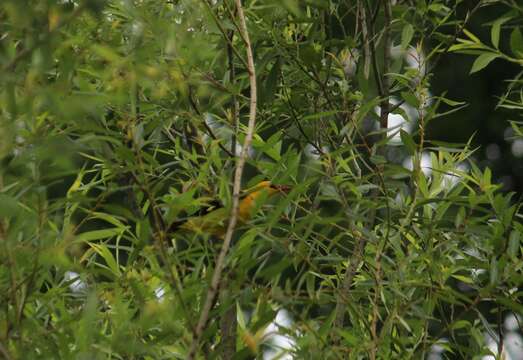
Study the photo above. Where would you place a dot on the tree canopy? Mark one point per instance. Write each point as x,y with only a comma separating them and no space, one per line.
123,120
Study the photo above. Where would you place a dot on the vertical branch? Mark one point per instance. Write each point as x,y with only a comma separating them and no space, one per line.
11,296
386,64
228,326
5,352
501,349
384,115
362,12
235,105
228,321
375,306
220,262
352,266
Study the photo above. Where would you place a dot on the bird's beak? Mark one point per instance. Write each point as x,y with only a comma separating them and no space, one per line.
283,188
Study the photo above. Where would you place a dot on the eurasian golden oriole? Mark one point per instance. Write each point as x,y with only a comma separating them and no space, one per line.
214,222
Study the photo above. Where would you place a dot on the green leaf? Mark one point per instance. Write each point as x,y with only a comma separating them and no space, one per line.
270,85
327,325
451,102
106,254
438,7
471,36
482,61
321,115
105,52
410,98
496,29
113,220
9,206
242,323
465,279
494,272
350,339
460,324
378,159
516,42
98,234
292,7
408,141
514,243
406,35
273,146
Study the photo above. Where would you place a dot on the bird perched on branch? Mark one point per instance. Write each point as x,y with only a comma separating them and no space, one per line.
214,222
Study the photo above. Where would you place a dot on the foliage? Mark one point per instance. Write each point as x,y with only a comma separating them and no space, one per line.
120,118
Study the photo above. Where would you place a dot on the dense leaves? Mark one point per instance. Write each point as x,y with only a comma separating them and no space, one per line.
120,119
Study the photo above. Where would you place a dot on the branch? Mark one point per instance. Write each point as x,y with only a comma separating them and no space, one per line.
352,266
224,33
205,125
5,352
366,43
235,105
228,327
384,114
220,263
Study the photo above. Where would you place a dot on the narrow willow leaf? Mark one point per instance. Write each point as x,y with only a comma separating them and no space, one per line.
516,42
496,30
482,61
408,141
406,35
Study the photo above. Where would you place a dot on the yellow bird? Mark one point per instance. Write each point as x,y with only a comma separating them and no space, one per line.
214,222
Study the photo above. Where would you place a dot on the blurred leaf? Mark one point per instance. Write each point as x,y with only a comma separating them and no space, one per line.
410,98
514,244
406,35
407,140
516,42
271,82
494,272
9,206
320,115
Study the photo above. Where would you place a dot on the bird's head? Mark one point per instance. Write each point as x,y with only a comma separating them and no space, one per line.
270,188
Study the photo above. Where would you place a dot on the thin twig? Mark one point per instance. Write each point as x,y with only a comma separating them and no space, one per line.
224,33
384,115
294,116
220,262
210,132
352,266
235,105
5,352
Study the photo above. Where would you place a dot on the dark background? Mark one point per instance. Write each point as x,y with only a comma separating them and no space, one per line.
481,120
